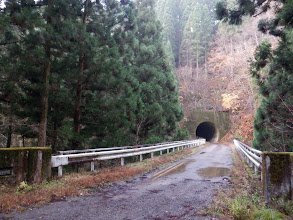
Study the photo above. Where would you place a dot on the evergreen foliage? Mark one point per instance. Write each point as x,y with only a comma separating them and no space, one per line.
188,27
81,73
158,104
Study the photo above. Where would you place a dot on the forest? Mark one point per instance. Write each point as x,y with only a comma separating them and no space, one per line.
188,30
81,74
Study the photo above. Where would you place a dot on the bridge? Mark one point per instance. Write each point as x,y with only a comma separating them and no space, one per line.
179,190
182,188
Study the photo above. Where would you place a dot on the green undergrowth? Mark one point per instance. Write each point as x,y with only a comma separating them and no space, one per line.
244,198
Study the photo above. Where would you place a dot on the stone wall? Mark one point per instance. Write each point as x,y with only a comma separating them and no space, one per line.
277,175
32,165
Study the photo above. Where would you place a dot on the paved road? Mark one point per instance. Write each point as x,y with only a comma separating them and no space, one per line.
177,191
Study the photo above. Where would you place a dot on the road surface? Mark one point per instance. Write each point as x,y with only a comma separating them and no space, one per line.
180,190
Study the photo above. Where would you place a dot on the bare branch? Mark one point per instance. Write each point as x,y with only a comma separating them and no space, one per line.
286,105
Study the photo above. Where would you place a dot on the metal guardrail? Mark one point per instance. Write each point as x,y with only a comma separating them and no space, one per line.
253,157
111,148
91,155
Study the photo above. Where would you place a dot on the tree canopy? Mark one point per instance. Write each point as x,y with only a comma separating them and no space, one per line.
81,73
188,27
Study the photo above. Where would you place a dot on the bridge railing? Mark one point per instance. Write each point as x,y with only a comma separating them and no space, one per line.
276,167
111,148
252,156
92,155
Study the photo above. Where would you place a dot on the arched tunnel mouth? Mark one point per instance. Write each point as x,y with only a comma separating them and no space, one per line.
208,131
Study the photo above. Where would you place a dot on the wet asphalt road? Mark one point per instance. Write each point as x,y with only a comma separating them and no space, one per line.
180,190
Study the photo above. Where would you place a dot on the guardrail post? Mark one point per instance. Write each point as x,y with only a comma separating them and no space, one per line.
60,171
255,169
92,166
161,152
173,149
167,150
140,157
122,161
152,155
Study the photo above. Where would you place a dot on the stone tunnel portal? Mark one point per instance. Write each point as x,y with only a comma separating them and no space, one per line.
208,131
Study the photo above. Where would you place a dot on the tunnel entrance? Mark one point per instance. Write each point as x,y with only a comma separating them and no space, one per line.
208,131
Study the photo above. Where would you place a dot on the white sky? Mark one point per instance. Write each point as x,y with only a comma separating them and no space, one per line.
2,3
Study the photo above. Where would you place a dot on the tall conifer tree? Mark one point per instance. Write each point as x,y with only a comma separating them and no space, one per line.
158,106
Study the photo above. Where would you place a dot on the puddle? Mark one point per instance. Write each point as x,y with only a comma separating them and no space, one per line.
180,169
212,172
175,169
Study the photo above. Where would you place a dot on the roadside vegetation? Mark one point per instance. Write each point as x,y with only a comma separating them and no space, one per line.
78,184
244,198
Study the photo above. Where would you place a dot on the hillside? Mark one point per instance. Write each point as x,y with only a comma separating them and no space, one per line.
227,85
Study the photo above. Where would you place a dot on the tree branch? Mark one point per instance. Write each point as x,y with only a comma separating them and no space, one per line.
7,43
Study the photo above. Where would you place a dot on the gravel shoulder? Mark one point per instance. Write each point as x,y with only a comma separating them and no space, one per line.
180,190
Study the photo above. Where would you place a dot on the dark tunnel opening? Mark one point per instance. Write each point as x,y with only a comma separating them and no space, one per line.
208,131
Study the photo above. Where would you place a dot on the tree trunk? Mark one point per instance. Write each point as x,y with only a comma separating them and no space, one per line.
205,62
23,141
44,102
232,57
9,136
197,62
10,129
78,97
256,39
45,89
55,136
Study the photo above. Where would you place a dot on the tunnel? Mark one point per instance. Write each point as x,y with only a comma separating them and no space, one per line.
208,131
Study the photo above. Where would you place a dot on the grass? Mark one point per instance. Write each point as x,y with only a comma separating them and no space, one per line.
244,199
74,184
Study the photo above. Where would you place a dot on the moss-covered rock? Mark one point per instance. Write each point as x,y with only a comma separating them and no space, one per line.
31,164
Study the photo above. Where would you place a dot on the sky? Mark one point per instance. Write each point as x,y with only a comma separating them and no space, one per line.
2,3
